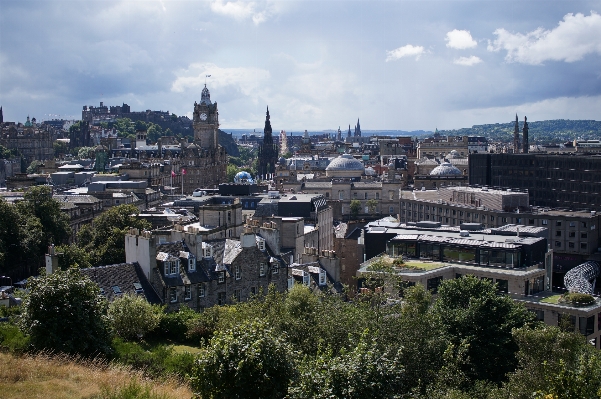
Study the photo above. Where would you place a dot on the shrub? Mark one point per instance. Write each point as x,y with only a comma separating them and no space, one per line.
578,298
174,326
66,313
12,338
131,317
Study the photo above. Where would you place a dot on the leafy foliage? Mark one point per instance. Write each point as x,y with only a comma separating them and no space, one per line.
33,166
104,239
355,208
247,361
65,312
473,316
132,317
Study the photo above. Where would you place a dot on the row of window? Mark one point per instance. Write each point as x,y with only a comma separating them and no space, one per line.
221,296
583,245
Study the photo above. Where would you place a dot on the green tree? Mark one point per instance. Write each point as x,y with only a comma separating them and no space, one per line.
247,361
60,148
154,132
555,363
65,312
125,127
104,238
10,237
33,166
355,208
38,202
372,205
85,153
173,118
231,172
5,153
132,317
366,371
473,315
73,256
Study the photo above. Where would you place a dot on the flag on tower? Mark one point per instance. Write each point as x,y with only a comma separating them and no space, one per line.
172,174
183,171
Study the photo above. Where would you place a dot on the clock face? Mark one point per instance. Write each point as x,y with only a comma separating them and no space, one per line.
203,117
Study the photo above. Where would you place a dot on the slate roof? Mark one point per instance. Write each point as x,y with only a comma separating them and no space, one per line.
124,276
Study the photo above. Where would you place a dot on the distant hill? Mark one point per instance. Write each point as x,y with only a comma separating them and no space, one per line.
227,141
552,131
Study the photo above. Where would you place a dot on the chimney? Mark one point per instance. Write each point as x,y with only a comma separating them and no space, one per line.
248,240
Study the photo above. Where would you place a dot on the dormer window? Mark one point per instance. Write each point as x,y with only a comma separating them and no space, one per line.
138,288
262,269
221,277
261,244
191,264
175,267
167,268
306,279
275,268
322,277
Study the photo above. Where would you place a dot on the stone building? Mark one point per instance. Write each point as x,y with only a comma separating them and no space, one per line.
188,271
33,143
204,161
267,157
440,147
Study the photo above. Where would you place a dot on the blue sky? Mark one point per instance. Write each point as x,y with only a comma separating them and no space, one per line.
318,64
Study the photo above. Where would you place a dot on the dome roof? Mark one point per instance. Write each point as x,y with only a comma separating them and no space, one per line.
446,169
243,177
282,161
205,96
345,162
454,154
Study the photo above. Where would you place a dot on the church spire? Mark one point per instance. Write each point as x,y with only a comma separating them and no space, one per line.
267,137
516,136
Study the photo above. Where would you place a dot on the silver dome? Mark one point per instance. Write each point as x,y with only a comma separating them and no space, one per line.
446,169
345,162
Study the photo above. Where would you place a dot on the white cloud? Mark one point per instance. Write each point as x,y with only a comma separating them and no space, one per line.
460,39
405,51
241,10
573,38
246,80
467,61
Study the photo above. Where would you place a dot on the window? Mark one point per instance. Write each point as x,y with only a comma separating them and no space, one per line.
558,223
188,293
377,195
492,218
340,194
558,243
544,222
391,210
468,214
460,213
172,294
355,195
558,233
191,264
237,272
571,245
262,269
476,216
365,195
503,286
433,283
167,268
238,295
175,267
275,268
116,289
253,291
201,290
583,224
530,221
583,235
583,245
221,277
327,194
572,224
221,298
572,234
390,195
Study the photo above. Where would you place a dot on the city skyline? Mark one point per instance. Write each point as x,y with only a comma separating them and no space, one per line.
317,65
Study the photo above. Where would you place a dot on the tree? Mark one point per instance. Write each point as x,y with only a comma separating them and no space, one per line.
10,236
473,315
372,205
132,317
73,256
104,238
85,153
247,361
38,202
173,118
33,167
553,363
355,208
60,148
66,313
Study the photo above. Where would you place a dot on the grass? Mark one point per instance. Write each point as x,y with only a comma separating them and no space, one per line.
554,299
54,377
423,265
185,348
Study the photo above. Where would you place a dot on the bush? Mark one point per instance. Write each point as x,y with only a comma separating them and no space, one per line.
131,317
577,298
248,361
12,338
66,313
174,326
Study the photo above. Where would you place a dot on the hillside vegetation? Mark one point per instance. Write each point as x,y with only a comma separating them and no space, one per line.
63,377
552,131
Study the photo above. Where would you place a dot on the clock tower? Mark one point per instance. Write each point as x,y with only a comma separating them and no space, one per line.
206,121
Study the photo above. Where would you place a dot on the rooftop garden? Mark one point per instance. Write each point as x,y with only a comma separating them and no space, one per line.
570,299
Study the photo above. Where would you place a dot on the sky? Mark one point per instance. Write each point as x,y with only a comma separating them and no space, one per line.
405,65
